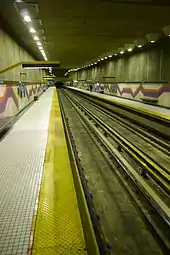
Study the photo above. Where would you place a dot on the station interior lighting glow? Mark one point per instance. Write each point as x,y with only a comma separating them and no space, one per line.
27,18
32,30
36,38
130,49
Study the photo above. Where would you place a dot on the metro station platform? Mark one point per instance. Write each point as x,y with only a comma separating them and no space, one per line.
39,211
152,110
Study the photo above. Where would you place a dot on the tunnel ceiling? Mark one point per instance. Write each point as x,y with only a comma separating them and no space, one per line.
82,30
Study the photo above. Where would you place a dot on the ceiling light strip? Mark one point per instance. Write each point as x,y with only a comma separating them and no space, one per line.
26,17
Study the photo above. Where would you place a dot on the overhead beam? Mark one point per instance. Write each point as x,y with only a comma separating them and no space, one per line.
140,2
34,64
41,64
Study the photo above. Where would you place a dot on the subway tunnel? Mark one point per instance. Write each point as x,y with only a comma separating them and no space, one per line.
59,84
85,127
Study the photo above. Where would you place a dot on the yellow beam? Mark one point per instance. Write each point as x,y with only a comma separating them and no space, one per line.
10,67
40,62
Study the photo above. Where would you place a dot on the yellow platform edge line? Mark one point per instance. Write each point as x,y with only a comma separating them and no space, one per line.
58,228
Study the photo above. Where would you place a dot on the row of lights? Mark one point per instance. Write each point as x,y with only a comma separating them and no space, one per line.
50,70
35,37
104,58
152,38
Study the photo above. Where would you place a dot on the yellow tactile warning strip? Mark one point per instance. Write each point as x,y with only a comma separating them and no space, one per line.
58,228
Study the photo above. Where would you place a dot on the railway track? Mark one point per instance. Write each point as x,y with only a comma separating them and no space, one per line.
157,141
153,159
137,117
116,159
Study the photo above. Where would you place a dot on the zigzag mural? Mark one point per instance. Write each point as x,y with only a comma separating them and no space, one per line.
9,92
145,91
23,91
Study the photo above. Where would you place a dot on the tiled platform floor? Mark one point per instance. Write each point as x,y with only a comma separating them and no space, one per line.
21,163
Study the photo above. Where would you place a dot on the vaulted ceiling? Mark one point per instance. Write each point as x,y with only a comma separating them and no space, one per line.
75,32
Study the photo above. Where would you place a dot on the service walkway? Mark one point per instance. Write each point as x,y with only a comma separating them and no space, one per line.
38,196
157,111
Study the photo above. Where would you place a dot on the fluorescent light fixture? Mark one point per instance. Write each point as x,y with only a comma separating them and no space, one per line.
98,60
95,63
121,52
130,49
32,30
38,43
36,67
36,38
40,47
152,41
27,18
139,46
110,56
102,58
169,35
45,58
115,54
105,57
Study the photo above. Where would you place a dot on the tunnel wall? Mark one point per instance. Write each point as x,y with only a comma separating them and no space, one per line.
11,53
144,74
14,97
150,66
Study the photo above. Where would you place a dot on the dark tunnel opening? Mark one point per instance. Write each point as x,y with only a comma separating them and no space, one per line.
59,84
